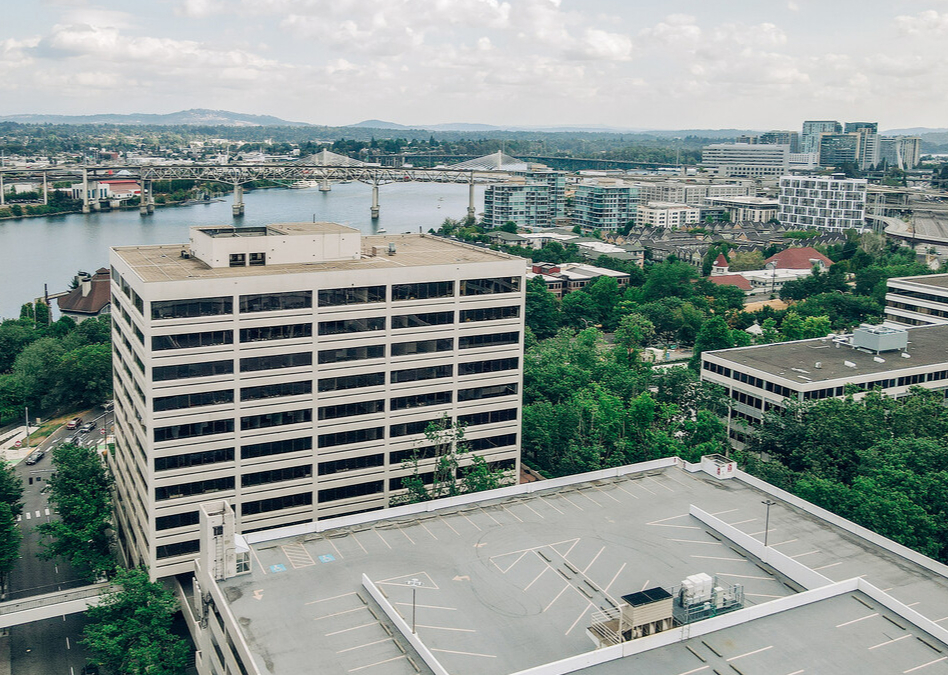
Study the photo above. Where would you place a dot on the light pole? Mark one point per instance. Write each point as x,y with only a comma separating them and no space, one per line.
768,503
414,583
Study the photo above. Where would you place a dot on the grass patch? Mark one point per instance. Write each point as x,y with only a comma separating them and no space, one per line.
49,426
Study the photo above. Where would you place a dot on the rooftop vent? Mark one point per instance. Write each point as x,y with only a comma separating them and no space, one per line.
880,338
849,364
391,248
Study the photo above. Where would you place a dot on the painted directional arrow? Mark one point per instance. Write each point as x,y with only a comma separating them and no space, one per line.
258,594
461,578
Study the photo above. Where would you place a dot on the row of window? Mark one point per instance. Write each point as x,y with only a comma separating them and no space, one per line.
335,297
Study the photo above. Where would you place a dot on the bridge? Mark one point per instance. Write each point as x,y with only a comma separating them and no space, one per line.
39,607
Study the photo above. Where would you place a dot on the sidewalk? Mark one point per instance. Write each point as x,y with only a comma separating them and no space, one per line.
8,449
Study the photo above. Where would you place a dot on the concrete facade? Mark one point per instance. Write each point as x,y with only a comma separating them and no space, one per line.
745,159
833,203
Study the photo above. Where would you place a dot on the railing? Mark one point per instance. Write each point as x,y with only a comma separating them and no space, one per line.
601,627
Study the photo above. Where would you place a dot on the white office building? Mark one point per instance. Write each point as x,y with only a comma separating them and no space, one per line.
290,369
833,203
669,216
746,159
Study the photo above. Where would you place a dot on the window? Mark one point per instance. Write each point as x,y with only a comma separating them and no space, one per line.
185,370
490,313
189,340
276,475
716,368
351,354
276,419
238,259
185,309
409,428
333,412
272,302
347,491
354,436
294,360
351,382
276,447
399,456
181,431
200,487
907,380
492,340
180,548
138,334
351,464
397,483
190,459
422,347
489,286
421,400
422,320
423,291
478,393
193,400
287,332
276,503
492,442
493,366
488,417
258,259
177,520
351,326
276,390
335,297
426,373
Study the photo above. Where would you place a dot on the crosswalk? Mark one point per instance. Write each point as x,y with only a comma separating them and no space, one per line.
35,514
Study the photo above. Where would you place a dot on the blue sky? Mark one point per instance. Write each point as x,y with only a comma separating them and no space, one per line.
691,64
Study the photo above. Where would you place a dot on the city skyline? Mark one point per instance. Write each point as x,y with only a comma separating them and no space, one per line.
529,62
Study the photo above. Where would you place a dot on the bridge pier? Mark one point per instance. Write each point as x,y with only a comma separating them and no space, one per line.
85,192
325,185
470,199
45,190
238,208
145,204
2,198
374,211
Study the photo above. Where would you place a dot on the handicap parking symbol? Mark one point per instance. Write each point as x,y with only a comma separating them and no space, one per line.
326,558
277,568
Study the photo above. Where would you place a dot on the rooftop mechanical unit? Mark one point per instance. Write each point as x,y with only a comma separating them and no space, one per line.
880,338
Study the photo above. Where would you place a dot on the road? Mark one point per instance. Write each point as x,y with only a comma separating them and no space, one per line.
46,647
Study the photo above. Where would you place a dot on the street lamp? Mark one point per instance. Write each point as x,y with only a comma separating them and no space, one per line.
414,583
768,503
772,266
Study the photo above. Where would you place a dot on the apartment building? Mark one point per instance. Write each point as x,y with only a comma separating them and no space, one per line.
745,159
833,203
901,152
604,205
917,301
693,193
746,209
762,377
291,369
812,129
526,204
668,216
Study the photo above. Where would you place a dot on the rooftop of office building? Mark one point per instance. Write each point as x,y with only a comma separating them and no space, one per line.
934,280
506,583
175,262
832,358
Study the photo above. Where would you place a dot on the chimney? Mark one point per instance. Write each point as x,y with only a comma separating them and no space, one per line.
85,283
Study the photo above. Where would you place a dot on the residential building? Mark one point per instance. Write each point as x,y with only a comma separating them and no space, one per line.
556,181
787,265
747,209
693,192
917,301
604,204
901,152
813,129
744,159
781,137
291,369
666,215
763,377
525,204
833,203
569,277
631,569
839,149
868,142
90,297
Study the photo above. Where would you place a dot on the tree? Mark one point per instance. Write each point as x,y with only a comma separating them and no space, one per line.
633,333
130,631
11,488
10,537
37,367
604,292
510,226
669,279
85,376
579,309
542,315
81,492
714,334
742,261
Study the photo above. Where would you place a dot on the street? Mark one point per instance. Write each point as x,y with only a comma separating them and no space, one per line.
47,647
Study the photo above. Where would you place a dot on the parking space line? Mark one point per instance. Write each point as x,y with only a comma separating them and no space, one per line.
450,609
823,567
627,492
564,497
570,549
697,541
754,534
606,494
487,513
513,514
645,488
471,522
712,557
349,649
259,564
645,585
556,598
429,532
410,540
583,493
451,651
862,618
781,543
800,555
346,630
606,589
595,558
912,604
888,642
742,576
796,672
382,538
578,619
449,525
742,522
379,663
656,522
659,484
756,651
924,665
347,611
335,597
719,513
941,619
548,504
352,534
532,509
537,578
459,630
696,670
510,567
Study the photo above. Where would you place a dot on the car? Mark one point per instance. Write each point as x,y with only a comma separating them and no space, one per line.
90,669
109,405
34,457
87,427
74,423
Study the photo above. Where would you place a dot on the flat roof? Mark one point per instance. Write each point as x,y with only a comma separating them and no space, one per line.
796,361
505,584
936,280
164,262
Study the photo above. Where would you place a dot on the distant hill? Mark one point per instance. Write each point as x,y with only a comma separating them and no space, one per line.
380,124
575,128
195,116
915,131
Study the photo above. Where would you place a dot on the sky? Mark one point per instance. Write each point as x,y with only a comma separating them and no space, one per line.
754,64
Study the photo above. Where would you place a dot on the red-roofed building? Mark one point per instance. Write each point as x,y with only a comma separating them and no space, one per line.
803,258
732,280
721,266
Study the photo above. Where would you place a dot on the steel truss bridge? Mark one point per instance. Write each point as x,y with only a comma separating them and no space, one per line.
238,175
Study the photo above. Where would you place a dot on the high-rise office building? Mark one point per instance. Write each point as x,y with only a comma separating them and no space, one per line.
901,152
839,149
781,137
810,136
743,159
291,369
869,149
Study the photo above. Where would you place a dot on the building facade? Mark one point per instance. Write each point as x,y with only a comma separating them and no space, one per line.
747,209
691,192
812,129
604,205
745,159
292,369
901,152
833,203
666,215
917,301
526,204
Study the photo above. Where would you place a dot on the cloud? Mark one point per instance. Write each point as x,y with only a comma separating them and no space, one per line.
929,22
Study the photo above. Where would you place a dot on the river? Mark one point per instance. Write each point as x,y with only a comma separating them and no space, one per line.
50,250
